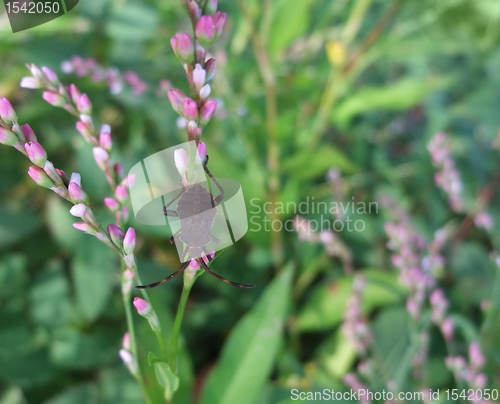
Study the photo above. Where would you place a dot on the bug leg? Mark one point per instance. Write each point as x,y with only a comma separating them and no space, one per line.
172,212
152,285
222,193
175,236
215,239
208,256
238,285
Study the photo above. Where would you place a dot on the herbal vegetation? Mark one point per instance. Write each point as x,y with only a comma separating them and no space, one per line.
364,134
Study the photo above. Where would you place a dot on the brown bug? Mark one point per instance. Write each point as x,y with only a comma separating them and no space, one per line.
196,211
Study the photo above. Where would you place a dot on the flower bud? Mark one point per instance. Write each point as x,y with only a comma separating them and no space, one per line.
35,71
85,227
176,98
219,20
30,82
7,137
193,131
105,140
63,176
127,279
181,161
207,111
121,193
78,210
126,336
77,194
205,31
189,109
7,113
194,10
118,169
36,153
54,99
111,204
129,241
116,235
210,69
29,135
201,153
85,131
145,309
198,75
101,157
83,104
129,361
40,177
210,7
183,47
204,92
129,181
76,178
74,93
50,75
125,213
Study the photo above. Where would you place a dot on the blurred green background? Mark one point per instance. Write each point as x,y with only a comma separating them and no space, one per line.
303,87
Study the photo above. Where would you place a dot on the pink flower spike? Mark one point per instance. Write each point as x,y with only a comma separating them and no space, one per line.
176,98
121,193
183,47
201,153
77,194
199,75
7,137
205,31
40,177
76,178
143,307
36,153
7,113
190,109
78,210
30,82
207,111
129,241
116,235
101,157
50,75
83,104
85,227
54,99
111,204
210,69
181,161
29,135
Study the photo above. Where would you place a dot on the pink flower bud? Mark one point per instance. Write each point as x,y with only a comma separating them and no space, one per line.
447,327
50,75
127,279
7,137
198,76
40,177
219,20
63,176
54,99
129,361
143,307
105,140
85,227
121,193
7,113
83,104
129,241
205,31
183,47
126,336
176,98
189,109
116,235
207,111
36,153
118,168
76,178
111,204
194,9
74,93
181,161
204,92
35,71
201,153
29,135
78,210
210,69
85,131
194,264
101,157
30,82
210,7
125,213
77,194
129,181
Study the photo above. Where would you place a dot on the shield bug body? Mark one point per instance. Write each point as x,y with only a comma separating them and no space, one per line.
196,210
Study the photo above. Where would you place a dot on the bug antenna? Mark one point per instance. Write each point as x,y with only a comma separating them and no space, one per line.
152,285
238,285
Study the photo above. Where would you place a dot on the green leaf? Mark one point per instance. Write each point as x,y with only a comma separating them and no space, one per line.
83,394
248,356
302,165
167,379
133,21
15,226
93,276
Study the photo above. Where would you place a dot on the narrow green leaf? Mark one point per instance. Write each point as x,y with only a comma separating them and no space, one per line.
166,378
248,355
